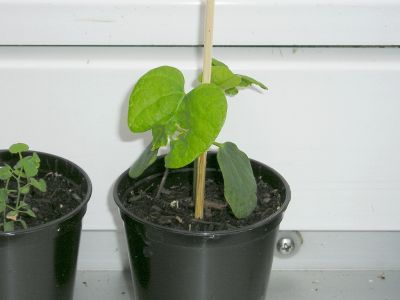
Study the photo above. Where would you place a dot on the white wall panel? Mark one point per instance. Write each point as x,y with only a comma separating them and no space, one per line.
178,22
329,122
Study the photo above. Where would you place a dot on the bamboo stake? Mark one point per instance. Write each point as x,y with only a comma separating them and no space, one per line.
200,164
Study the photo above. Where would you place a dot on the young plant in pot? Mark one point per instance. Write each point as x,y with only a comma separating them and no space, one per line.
187,240
43,199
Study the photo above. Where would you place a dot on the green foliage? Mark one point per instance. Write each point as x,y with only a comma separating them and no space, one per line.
3,199
146,159
5,172
18,148
248,81
222,76
17,184
190,123
201,116
155,98
240,188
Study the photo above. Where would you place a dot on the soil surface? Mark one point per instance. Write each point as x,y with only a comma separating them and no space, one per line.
172,205
62,196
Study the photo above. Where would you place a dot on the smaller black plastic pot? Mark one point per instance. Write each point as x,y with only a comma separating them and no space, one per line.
182,265
39,263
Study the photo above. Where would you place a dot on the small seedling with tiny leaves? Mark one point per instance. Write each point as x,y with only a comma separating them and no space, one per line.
16,183
190,123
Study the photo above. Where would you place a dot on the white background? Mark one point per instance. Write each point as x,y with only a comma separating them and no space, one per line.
329,122
178,22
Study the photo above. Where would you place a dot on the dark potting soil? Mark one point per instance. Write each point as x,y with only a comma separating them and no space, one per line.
62,196
174,207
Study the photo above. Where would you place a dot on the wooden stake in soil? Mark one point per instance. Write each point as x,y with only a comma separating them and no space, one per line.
200,164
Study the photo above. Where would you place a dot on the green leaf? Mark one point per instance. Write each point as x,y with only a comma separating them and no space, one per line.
39,184
19,172
161,134
30,213
8,226
201,115
232,91
25,189
3,199
247,81
240,186
18,148
23,204
155,98
216,62
29,165
23,223
36,159
146,159
5,172
223,77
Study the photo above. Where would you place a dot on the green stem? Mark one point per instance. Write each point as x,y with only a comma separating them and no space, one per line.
217,144
5,210
19,190
13,208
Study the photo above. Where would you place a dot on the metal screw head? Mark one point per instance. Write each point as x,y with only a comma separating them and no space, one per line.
285,246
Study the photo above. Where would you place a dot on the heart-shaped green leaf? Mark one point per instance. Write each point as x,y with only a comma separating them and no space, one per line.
155,98
18,148
146,159
240,188
201,117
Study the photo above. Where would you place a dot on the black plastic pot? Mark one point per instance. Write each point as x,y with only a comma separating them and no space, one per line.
39,263
182,265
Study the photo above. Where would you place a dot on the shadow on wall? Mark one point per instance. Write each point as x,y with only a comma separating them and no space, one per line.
125,135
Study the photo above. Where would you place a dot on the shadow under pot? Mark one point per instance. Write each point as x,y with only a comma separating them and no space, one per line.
172,262
39,262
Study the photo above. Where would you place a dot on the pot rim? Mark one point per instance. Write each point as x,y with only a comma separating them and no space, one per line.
247,228
72,213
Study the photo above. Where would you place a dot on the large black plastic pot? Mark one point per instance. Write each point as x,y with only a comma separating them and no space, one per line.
182,265
39,263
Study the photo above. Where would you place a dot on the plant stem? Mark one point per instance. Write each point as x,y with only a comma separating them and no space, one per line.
217,144
164,178
200,164
19,190
5,210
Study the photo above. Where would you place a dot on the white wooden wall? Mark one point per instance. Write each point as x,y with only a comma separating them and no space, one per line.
329,122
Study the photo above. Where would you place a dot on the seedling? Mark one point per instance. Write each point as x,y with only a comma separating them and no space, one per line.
16,183
190,123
